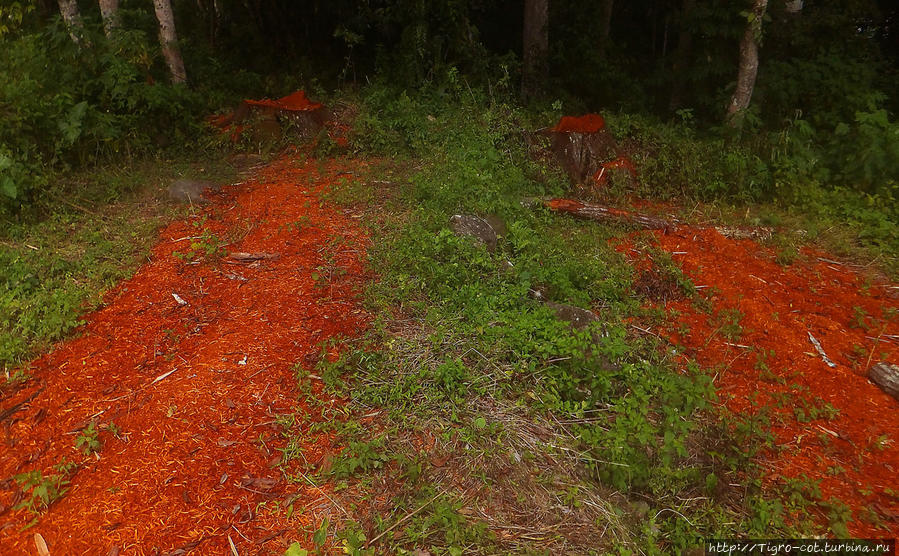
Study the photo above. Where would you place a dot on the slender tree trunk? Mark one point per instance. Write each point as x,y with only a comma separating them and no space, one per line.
749,65
605,25
535,48
169,40
72,16
681,55
109,9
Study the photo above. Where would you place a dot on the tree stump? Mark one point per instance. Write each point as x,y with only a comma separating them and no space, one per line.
582,144
267,119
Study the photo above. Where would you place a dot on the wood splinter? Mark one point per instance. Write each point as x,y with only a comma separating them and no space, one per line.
242,256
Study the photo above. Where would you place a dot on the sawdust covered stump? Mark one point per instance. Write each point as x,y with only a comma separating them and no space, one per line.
268,119
582,144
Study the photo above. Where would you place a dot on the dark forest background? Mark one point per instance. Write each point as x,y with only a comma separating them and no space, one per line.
822,111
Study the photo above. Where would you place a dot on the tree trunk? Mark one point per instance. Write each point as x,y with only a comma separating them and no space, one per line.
749,65
535,48
682,55
109,9
169,40
72,17
605,25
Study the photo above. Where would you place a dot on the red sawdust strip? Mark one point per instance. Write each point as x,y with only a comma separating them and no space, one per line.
854,456
588,123
196,461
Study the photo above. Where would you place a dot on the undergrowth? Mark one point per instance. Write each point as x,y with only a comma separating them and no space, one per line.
55,265
502,427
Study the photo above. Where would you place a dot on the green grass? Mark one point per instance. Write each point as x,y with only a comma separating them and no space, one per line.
499,428
92,231
487,400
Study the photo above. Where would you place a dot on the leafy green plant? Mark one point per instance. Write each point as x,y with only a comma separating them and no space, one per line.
42,490
728,321
296,550
360,457
88,440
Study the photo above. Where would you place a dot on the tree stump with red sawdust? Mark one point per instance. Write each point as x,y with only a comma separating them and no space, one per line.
886,376
581,145
268,120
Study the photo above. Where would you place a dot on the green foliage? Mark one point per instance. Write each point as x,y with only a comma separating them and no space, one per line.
676,161
43,491
66,106
635,419
296,550
360,457
11,16
88,440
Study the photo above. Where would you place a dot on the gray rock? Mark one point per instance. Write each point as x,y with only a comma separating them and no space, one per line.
499,227
476,227
190,191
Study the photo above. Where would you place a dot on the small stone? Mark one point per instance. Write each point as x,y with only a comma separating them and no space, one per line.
476,227
190,191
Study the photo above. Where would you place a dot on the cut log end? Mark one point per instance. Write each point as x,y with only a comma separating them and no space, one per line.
886,376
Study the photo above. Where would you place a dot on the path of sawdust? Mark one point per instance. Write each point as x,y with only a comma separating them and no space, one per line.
198,453
771,363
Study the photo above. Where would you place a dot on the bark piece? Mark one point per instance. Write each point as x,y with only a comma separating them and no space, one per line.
886,376
241,256
607,214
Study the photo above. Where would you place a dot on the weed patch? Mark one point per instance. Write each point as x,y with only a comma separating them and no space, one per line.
481,389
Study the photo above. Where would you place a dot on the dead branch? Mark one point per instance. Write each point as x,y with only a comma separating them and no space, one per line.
603,214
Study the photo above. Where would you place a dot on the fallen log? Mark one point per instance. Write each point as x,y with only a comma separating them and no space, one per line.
601,213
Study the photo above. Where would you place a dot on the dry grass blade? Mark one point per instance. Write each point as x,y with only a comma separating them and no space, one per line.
406,517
